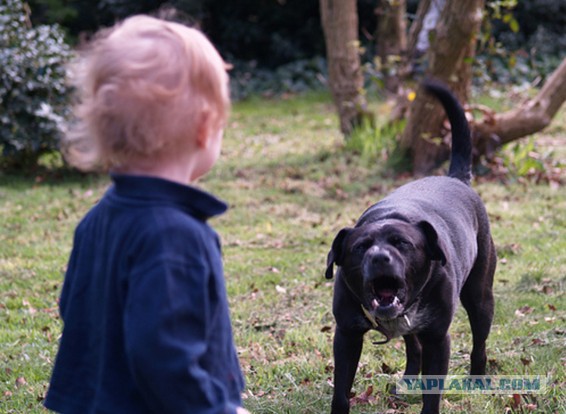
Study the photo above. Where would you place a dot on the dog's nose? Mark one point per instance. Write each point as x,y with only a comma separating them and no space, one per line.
381,258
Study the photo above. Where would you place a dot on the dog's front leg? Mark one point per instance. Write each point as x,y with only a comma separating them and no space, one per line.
347,350
435,358
413,352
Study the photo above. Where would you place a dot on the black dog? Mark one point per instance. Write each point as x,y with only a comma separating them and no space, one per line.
403,266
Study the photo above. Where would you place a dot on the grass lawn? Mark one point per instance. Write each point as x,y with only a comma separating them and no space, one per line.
292,185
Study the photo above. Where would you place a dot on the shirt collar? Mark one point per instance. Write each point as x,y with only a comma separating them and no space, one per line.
200,203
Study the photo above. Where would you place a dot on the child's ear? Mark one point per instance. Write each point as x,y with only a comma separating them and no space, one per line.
204,130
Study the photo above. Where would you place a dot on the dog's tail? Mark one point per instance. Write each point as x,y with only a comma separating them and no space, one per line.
461,156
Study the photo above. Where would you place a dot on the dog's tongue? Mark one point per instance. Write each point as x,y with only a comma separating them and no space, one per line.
386,296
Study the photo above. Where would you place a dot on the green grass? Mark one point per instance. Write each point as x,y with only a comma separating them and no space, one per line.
292,185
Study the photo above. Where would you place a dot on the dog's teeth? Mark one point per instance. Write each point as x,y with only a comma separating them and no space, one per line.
396,301
374,304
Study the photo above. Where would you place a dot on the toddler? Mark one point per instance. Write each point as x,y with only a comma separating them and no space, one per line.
146,319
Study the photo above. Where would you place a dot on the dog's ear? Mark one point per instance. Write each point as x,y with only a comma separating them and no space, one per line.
433,245
335,255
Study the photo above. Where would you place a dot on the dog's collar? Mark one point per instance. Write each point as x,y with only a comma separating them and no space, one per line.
370,318
375,324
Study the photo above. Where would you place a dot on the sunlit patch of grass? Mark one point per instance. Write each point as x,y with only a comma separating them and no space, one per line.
292,185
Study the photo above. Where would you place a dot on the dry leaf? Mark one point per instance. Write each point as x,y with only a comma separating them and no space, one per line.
523,310
516,401
364,398
386,369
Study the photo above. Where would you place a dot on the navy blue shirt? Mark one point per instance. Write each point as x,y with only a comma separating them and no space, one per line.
144,306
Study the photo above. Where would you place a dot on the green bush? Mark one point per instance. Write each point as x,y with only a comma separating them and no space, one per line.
376,141
247,79
33,95
521,41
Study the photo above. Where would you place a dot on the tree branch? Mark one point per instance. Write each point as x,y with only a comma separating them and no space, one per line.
532,116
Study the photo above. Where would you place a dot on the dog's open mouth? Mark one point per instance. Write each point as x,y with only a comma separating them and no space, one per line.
386,297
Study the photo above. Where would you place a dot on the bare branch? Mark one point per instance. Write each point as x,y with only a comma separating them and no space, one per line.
531,116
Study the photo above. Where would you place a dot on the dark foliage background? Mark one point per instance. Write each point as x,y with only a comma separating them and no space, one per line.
271,32
266,36
275,46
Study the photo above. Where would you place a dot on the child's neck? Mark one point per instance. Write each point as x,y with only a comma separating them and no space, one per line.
179,172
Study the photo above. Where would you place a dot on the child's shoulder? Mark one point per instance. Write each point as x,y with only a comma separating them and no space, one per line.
144,212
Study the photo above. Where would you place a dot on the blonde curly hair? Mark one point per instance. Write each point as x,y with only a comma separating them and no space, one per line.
143,86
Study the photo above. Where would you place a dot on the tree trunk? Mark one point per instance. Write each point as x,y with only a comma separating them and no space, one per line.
391,41
416,27
345,78
452,46
531,116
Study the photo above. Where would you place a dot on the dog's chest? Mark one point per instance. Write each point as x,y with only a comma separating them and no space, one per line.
411,322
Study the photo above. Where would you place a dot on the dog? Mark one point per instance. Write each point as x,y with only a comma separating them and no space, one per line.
403,266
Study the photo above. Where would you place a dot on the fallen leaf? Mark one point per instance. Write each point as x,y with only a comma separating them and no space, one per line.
523,310
493,363
516,401
537,341
364,398
386,369
395,402
547,290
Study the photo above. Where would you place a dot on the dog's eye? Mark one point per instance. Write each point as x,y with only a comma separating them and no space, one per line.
361,246
399,242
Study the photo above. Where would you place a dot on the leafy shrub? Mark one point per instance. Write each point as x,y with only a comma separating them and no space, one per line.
300,76
376,141
524,162
33,93
521,41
